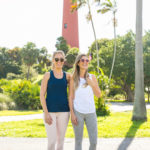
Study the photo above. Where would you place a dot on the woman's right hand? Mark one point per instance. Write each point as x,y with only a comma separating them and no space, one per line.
74,119
48,119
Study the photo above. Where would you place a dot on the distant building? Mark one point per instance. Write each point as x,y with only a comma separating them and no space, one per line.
70,25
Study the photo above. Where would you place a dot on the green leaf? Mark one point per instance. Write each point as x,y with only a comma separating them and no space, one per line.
104,10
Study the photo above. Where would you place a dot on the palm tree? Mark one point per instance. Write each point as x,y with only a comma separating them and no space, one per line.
89,17
29,55
108,6
139,110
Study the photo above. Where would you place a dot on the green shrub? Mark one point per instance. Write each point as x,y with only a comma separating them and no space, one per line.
11,76
7,86
26,95
118,97
6,102
41,69
32,73
101,108
3,84
114,90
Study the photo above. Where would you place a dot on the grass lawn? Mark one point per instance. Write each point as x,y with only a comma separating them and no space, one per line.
118,124
18,112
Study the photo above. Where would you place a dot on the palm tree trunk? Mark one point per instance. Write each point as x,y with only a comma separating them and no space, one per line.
115,43
129,93
97,50
139,110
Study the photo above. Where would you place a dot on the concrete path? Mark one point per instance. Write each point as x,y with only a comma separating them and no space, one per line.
119,107
115,107
20,117
7,143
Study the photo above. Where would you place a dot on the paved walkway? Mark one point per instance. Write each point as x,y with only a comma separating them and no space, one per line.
7,143
119,107
20,117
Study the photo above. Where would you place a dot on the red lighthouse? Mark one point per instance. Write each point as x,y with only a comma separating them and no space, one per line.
70,25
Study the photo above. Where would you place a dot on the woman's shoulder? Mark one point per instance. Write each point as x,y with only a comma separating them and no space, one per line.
68,75
47,75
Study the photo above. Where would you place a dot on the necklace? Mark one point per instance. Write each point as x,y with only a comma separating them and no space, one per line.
60,74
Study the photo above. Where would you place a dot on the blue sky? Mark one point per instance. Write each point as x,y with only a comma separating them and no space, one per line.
40,21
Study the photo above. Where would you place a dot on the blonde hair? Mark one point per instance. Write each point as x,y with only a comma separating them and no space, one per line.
55,53
76,72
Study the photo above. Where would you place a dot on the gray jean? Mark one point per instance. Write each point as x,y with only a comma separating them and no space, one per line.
91,124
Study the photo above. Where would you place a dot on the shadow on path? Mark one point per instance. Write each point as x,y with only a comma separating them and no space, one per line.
131,133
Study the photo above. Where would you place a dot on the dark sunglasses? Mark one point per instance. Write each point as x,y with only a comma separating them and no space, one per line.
84,60
59,59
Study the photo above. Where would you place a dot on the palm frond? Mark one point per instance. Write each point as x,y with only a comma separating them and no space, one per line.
73,1
108,3
75,6
103,11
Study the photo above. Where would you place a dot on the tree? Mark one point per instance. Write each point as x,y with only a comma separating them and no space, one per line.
70,53
61,44
147,74
71,56
43,60
108,6
124,70
7,63
15,55
92,51
146,48
139,109
30,55
76,4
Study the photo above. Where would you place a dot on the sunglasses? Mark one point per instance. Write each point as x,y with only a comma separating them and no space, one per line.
84,60
59,59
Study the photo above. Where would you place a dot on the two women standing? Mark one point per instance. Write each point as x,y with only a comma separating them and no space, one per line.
82,88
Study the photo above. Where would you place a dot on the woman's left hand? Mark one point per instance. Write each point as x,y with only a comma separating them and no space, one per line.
94,84
89,81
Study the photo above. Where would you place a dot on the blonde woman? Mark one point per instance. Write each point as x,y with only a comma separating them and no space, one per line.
55,106
83,87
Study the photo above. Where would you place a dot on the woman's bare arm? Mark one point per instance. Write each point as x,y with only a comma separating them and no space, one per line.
71,95
71,98
43,90
95,87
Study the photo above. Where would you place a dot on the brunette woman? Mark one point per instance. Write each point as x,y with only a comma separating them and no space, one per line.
83,87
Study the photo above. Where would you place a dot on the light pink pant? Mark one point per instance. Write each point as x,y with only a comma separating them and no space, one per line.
56,131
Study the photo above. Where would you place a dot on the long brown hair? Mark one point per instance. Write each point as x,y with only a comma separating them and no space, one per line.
76,72
55,53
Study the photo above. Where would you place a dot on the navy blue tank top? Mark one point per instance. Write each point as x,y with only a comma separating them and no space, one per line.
56,99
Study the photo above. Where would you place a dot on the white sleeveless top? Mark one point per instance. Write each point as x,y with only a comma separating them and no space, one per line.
84,98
